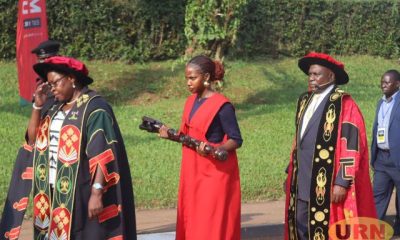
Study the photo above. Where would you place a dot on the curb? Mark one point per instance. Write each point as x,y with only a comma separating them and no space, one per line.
264,232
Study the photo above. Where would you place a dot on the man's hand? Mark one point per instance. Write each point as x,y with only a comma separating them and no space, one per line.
338,194
95,203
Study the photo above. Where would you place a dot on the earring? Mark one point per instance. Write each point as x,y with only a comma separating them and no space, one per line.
73,85
206,83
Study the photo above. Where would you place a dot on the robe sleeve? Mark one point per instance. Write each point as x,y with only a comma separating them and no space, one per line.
353,141
102,146
352,162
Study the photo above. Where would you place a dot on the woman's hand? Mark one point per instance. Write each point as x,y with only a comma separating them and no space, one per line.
40,94
200,149
95,203
163,132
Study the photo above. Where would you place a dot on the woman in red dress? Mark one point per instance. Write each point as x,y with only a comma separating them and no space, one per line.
209,189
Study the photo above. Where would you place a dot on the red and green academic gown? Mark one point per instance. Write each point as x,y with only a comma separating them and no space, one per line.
90,141
341,144
209,190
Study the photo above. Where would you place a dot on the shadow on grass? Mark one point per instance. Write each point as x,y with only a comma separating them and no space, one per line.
285,91
138,86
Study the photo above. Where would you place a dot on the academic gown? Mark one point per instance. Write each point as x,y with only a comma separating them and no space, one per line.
341,142
90,141
209,190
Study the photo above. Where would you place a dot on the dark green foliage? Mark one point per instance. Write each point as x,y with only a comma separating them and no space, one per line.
139,30
125,29
275,27
132,30
8,26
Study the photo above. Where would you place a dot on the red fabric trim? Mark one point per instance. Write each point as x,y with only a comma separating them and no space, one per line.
69,144
120,237
101,161
42,133
13,234
28,147
61,222
109,212
28,174
203,117
103,158
21,204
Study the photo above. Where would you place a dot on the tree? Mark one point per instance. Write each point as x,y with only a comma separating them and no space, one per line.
211,25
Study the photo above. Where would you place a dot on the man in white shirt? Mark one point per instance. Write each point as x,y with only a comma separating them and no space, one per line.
385,147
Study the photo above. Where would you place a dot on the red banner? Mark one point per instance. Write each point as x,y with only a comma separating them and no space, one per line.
31,30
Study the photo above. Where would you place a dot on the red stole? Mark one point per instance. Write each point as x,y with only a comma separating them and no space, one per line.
209,190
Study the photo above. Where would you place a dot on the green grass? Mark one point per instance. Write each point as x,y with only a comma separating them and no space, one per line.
263,91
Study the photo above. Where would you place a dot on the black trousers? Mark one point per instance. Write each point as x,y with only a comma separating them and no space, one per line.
302,219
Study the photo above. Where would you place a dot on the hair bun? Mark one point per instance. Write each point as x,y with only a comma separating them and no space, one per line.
219,71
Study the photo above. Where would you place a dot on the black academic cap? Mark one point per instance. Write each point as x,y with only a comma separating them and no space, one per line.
47,49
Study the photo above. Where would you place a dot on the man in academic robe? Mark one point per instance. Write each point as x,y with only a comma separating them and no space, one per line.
328,174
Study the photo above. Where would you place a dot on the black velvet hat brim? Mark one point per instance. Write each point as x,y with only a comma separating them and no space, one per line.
43,68
340,75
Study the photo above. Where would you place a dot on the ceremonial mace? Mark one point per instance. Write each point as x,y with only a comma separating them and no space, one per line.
152,125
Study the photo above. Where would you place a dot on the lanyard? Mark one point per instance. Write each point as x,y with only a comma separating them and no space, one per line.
389,107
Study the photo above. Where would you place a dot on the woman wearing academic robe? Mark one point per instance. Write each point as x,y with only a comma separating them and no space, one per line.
82,187
209,189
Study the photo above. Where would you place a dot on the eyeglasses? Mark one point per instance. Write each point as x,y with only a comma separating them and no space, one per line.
55,83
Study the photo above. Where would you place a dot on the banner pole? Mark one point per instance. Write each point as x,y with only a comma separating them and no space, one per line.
31,30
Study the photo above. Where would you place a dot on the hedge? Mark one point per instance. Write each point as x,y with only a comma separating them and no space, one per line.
140,30
341,27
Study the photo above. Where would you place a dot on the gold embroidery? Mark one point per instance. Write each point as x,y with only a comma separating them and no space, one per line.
42,172
302,106
82,99
337,94
319,216
64,188
324,154
319,234
348,214
330,119
320,190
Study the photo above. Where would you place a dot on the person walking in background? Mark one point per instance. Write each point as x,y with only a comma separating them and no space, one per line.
385,147
82,187
209,189
328,178
46,49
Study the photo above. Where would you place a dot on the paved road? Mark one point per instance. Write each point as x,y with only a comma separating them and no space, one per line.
259,221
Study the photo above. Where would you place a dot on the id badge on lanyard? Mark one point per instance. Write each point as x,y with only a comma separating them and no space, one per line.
380,135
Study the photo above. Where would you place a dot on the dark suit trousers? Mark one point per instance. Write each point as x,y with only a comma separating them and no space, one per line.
302,219
386,177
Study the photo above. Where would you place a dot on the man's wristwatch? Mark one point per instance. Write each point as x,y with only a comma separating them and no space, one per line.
97,186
